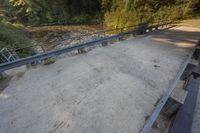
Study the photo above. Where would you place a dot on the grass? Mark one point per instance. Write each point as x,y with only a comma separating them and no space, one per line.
49,61
14,36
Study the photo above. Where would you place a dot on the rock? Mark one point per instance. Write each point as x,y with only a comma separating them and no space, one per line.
3,75
49,60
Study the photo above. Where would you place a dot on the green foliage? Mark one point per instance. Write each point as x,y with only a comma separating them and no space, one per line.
13,36
115,12
46,11
119,13
119,19
85,18
49,61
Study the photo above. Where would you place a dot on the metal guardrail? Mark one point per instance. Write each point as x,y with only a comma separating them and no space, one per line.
160,105
42,56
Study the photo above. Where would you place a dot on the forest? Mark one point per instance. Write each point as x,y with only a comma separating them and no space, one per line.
110,12
16,15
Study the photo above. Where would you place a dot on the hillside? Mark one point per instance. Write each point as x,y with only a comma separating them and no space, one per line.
16,16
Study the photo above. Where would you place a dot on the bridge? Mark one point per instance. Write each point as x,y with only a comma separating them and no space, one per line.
120,87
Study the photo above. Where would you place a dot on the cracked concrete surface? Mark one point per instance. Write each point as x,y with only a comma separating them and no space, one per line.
111,89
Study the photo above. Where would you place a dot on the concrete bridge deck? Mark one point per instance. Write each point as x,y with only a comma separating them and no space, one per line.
111,89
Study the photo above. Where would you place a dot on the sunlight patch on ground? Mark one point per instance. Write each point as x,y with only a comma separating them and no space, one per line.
3,96
163,40
185,44
182,44
186,28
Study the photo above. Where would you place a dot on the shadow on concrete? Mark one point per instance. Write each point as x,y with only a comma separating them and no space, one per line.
179,38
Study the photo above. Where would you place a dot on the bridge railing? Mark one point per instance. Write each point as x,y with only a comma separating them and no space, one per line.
102,41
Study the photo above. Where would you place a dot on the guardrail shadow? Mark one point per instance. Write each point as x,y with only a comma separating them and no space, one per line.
181,38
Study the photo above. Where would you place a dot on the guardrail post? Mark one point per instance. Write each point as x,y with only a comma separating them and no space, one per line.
150,29
82,50
156,28
133,35
104,44
142,28
120,38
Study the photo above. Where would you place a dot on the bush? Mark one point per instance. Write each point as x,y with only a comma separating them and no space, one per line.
125,13
13,36
118,19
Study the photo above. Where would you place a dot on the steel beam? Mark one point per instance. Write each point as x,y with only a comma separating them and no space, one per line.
157,110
